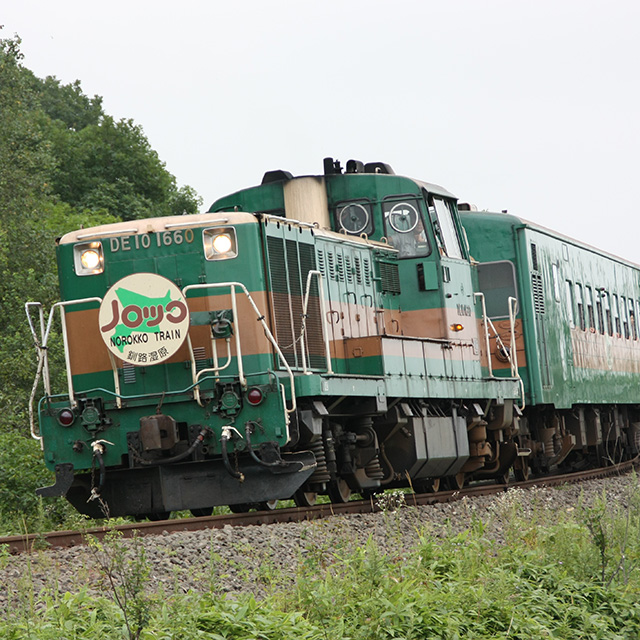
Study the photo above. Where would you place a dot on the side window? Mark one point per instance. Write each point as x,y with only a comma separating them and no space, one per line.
600,311
590,312
625,317
607,312
497,281
580,305
633,331
556,281
354,218
404,227
616,315
445,229
569,303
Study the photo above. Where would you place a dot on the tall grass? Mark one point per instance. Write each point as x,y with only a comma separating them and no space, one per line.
546,575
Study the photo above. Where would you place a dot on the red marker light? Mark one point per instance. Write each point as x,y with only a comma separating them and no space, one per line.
66,417
254,396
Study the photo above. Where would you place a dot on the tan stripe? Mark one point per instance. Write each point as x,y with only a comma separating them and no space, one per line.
605,353
89,354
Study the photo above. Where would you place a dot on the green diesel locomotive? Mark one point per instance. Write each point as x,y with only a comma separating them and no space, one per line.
322,334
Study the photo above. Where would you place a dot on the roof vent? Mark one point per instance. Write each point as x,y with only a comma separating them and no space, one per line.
378,167
355,166
276,176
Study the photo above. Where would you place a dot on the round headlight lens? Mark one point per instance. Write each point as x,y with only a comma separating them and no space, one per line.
222,243
90,259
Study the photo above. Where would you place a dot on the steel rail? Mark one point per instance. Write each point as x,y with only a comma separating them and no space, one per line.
65,539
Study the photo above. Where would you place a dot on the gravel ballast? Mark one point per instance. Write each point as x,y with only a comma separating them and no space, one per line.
254,559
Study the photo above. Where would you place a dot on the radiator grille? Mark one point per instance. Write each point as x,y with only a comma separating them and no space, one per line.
389,277
289,265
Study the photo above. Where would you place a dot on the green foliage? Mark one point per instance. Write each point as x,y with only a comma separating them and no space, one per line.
126,573
450,586
64,164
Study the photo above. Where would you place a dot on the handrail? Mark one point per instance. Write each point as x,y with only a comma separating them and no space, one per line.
42,343
480,295
265,327
510,352
323,316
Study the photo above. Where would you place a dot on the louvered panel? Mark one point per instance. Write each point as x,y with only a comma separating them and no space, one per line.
200,357
128,373
357,265
289,264
366,267
313,335
280,298
538,293
389,277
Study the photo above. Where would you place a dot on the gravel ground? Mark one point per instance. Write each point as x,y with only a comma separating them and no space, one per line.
254,559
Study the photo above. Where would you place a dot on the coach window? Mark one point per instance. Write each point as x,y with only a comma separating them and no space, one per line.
625,317
616,315
404,227
631,305
569,303
590,314
600,314
580,305
607,312
444,225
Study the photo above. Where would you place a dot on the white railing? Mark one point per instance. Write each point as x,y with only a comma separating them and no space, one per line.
510,352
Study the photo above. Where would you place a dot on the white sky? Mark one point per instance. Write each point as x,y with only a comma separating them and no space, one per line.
510,104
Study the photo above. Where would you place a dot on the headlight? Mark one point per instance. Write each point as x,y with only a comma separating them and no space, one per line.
220,243
88,258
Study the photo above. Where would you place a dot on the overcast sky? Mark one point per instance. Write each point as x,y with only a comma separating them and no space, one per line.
527,106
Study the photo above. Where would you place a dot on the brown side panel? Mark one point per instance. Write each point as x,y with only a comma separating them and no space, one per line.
89,354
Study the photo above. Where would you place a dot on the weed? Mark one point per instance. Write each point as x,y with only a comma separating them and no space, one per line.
126,572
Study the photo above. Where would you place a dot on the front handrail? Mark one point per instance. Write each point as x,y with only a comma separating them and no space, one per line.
41,343
261,318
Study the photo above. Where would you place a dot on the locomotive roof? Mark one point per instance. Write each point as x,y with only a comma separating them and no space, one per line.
153,225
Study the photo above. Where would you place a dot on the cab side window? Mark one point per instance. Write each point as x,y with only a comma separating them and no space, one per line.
441,213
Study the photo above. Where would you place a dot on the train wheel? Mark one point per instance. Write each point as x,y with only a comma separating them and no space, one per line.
432,485
160,515
521,469
269,505
199,513
456,482
243,507
339,491
305,498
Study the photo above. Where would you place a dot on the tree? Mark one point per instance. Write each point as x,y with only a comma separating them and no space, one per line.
64,164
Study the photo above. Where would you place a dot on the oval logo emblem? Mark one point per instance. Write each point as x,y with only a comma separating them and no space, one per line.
144,319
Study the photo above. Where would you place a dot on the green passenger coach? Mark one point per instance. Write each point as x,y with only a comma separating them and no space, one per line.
576,334
326,334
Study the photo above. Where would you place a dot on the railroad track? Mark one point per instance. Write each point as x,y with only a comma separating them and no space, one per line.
63,539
